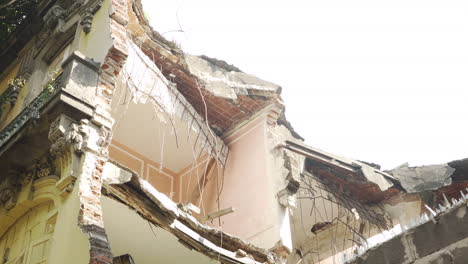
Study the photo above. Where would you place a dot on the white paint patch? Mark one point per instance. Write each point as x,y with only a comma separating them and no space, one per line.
285,230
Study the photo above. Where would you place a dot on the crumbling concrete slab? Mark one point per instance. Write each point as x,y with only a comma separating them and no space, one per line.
443,239
226,81
423,178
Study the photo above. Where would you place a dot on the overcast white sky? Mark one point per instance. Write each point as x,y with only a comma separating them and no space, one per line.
380,81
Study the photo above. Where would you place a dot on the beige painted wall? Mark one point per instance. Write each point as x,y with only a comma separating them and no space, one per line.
97,42
42,227
69,243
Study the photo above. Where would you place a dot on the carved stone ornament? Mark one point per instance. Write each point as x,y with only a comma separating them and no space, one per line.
10,96
53,16
87,20
15,87
64,133
59,127
105,138
78,134
43,167
10,187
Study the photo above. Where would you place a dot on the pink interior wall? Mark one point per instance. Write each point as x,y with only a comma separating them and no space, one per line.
245,184
189,178
247,187
161,178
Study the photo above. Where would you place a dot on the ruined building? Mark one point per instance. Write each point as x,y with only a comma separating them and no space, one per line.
116,147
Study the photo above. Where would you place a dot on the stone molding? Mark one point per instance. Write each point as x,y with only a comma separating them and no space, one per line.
55,15
10,187
10,96
32,111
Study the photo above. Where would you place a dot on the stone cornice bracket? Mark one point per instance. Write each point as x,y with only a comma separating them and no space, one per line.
88,15
87,21
54,17
58,135
66,135
10,187
10,96
67,139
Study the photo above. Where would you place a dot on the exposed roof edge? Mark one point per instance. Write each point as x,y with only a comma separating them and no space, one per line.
431,177
227,83
150,32
380,178
133,191
147,84
229,96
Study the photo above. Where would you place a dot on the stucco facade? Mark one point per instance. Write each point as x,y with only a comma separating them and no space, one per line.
116,147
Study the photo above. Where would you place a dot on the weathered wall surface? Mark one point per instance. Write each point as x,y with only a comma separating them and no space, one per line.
69,243
441,240
97,42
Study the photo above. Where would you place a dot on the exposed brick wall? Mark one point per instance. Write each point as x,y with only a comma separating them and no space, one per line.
100,250
90,215
90,219
117,54
90,190
222,113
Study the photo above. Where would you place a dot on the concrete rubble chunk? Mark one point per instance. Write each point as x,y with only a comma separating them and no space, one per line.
423,178
226,82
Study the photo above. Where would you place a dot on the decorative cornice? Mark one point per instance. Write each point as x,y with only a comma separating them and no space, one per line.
74,136
32,111
87,21
88,15
10,96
